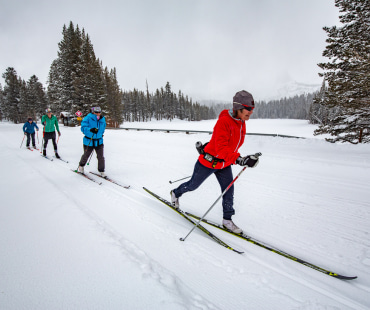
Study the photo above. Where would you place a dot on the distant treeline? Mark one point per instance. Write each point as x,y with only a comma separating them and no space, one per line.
140,106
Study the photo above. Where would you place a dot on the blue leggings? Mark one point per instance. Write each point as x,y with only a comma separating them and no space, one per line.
224,177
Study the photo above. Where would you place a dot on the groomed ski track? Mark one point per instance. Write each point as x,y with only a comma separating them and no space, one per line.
121,248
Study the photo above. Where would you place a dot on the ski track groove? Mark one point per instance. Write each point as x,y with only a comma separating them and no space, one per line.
148,266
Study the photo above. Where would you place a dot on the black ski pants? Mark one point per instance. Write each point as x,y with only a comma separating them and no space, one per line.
224,177
47,137
99,154
30,135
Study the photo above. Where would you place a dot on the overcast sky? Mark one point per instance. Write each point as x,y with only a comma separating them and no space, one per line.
208,49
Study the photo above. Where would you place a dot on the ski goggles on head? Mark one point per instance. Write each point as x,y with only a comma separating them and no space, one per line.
96,110
247,108
239,106
48,110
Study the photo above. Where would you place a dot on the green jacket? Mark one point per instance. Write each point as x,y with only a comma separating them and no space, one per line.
50,123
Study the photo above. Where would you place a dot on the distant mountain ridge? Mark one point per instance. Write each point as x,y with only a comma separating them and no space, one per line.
287,90
294,88
293,101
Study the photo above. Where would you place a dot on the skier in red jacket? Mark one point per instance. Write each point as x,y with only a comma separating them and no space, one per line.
220,153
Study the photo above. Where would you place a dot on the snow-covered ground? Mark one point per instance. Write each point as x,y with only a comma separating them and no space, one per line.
68,243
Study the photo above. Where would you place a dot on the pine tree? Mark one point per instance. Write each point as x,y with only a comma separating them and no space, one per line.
69,68
55,87
168,102
77,80
36,98
1,102
348,74
24,106
113,106
89,84
317,111
11,96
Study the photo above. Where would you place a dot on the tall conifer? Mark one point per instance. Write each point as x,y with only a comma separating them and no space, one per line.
348,74
11,94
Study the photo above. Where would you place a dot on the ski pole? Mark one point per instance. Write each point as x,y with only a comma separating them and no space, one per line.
227,188
38,142
23,139
179,179
88,162
43,139
86,150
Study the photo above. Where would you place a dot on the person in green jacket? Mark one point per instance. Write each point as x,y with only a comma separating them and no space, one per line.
50,123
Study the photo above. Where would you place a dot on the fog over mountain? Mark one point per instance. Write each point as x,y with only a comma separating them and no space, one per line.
286,90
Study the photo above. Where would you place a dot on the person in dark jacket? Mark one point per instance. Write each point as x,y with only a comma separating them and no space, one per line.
93,127
50,123
220,153
29,130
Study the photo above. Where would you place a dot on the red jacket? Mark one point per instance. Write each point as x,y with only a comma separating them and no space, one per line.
228,136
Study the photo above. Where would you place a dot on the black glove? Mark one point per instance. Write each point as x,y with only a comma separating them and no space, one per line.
94,130
251,161
59,133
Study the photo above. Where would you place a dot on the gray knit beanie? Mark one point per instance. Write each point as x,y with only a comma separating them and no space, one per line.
243,99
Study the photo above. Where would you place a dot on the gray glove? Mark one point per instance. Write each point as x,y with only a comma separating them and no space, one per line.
251,161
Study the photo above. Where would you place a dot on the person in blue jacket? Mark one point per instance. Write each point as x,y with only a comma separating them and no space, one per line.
93,127
29,130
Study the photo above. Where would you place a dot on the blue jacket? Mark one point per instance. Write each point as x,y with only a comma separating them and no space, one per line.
29,128
91,121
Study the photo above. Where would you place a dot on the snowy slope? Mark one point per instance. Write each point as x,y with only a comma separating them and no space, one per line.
68,243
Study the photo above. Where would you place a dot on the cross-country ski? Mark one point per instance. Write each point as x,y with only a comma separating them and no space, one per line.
110,180
86,176
202,228
272,249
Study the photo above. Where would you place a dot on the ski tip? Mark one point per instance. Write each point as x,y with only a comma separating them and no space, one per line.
338,276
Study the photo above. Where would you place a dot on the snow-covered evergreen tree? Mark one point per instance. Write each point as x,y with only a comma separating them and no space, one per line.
24,106
318,113
348,74
113,106
36,98
1,102
77,80
11,95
